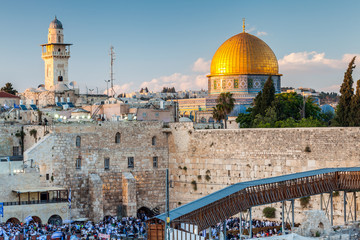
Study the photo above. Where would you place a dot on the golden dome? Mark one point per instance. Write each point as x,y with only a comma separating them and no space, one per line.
244,54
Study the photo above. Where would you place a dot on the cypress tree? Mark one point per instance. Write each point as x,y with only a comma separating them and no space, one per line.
355,107
343,112
257,105
268,95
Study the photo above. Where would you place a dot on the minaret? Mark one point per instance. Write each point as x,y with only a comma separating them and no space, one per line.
56,54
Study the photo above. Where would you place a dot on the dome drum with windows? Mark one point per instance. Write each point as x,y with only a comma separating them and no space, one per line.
241,65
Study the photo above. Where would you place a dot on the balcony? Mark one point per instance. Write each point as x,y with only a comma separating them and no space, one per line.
57,200
56,54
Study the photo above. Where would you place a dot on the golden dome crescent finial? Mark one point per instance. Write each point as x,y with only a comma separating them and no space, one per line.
243,24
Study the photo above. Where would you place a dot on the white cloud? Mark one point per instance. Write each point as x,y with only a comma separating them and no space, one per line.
259,33
310,60
126,87
332,88
177,80
315,70
200,65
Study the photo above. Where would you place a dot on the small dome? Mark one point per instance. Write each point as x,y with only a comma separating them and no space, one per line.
60,87
56,24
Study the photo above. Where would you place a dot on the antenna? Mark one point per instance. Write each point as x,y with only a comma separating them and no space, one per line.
112,59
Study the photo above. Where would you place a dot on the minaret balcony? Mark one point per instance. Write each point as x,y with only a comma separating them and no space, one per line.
56,54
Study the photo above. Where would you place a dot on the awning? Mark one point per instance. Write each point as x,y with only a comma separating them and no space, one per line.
40,189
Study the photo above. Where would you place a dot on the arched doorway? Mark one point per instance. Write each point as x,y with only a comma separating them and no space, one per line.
13,220
55,220
36,219
144,211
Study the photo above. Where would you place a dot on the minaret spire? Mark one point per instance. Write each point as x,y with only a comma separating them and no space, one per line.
243,24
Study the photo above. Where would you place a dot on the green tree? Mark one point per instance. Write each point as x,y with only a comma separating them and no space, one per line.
268,95
225,103
288,105
343,111
219,113
9,89
264,98
355,107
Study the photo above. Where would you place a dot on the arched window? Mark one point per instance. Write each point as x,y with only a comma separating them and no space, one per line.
117,137
153,141
78,141
59,39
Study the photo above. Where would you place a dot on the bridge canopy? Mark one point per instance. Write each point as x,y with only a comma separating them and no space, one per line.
227,202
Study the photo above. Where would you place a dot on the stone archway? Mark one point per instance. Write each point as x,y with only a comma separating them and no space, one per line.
36,219
13,220
144,211
55,220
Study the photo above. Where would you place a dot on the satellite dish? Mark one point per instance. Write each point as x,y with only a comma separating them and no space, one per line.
73,84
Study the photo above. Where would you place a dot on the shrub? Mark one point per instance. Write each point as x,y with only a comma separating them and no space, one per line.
179,203
208,172
304,201
307,149
269,212
207,177
194,184
199,177
336,194
185,168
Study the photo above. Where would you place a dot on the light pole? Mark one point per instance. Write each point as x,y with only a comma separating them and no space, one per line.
107,87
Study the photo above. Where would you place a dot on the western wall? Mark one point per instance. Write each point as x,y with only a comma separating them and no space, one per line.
203,161
200,162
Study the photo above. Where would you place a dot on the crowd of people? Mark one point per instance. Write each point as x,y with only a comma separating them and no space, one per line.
111,227
259,228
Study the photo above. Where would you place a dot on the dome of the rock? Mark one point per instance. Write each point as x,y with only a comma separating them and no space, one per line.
244,54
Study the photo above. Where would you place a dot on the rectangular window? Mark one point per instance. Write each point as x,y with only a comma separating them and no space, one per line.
155,162
130,162
16,151
47,176
106,163
78,163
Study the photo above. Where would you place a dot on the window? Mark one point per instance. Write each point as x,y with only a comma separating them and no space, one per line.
157,115
153,141
78,163
155,162
47,176
78,141
59,40
144,114
16,151
130,162
106,163
117,137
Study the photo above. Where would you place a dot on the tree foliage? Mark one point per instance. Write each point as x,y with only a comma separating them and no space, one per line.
9,89
225,105
343,111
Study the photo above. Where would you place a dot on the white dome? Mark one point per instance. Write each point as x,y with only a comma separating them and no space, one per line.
60,87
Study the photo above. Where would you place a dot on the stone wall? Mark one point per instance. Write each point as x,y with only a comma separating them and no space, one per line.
209,159
215,159
97,191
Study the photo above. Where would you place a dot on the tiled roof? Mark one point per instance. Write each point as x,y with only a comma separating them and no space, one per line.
7,95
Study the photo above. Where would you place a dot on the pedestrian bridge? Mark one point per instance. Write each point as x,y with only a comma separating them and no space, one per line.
223,204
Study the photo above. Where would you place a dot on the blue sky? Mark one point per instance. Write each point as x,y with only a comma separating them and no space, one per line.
171,43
